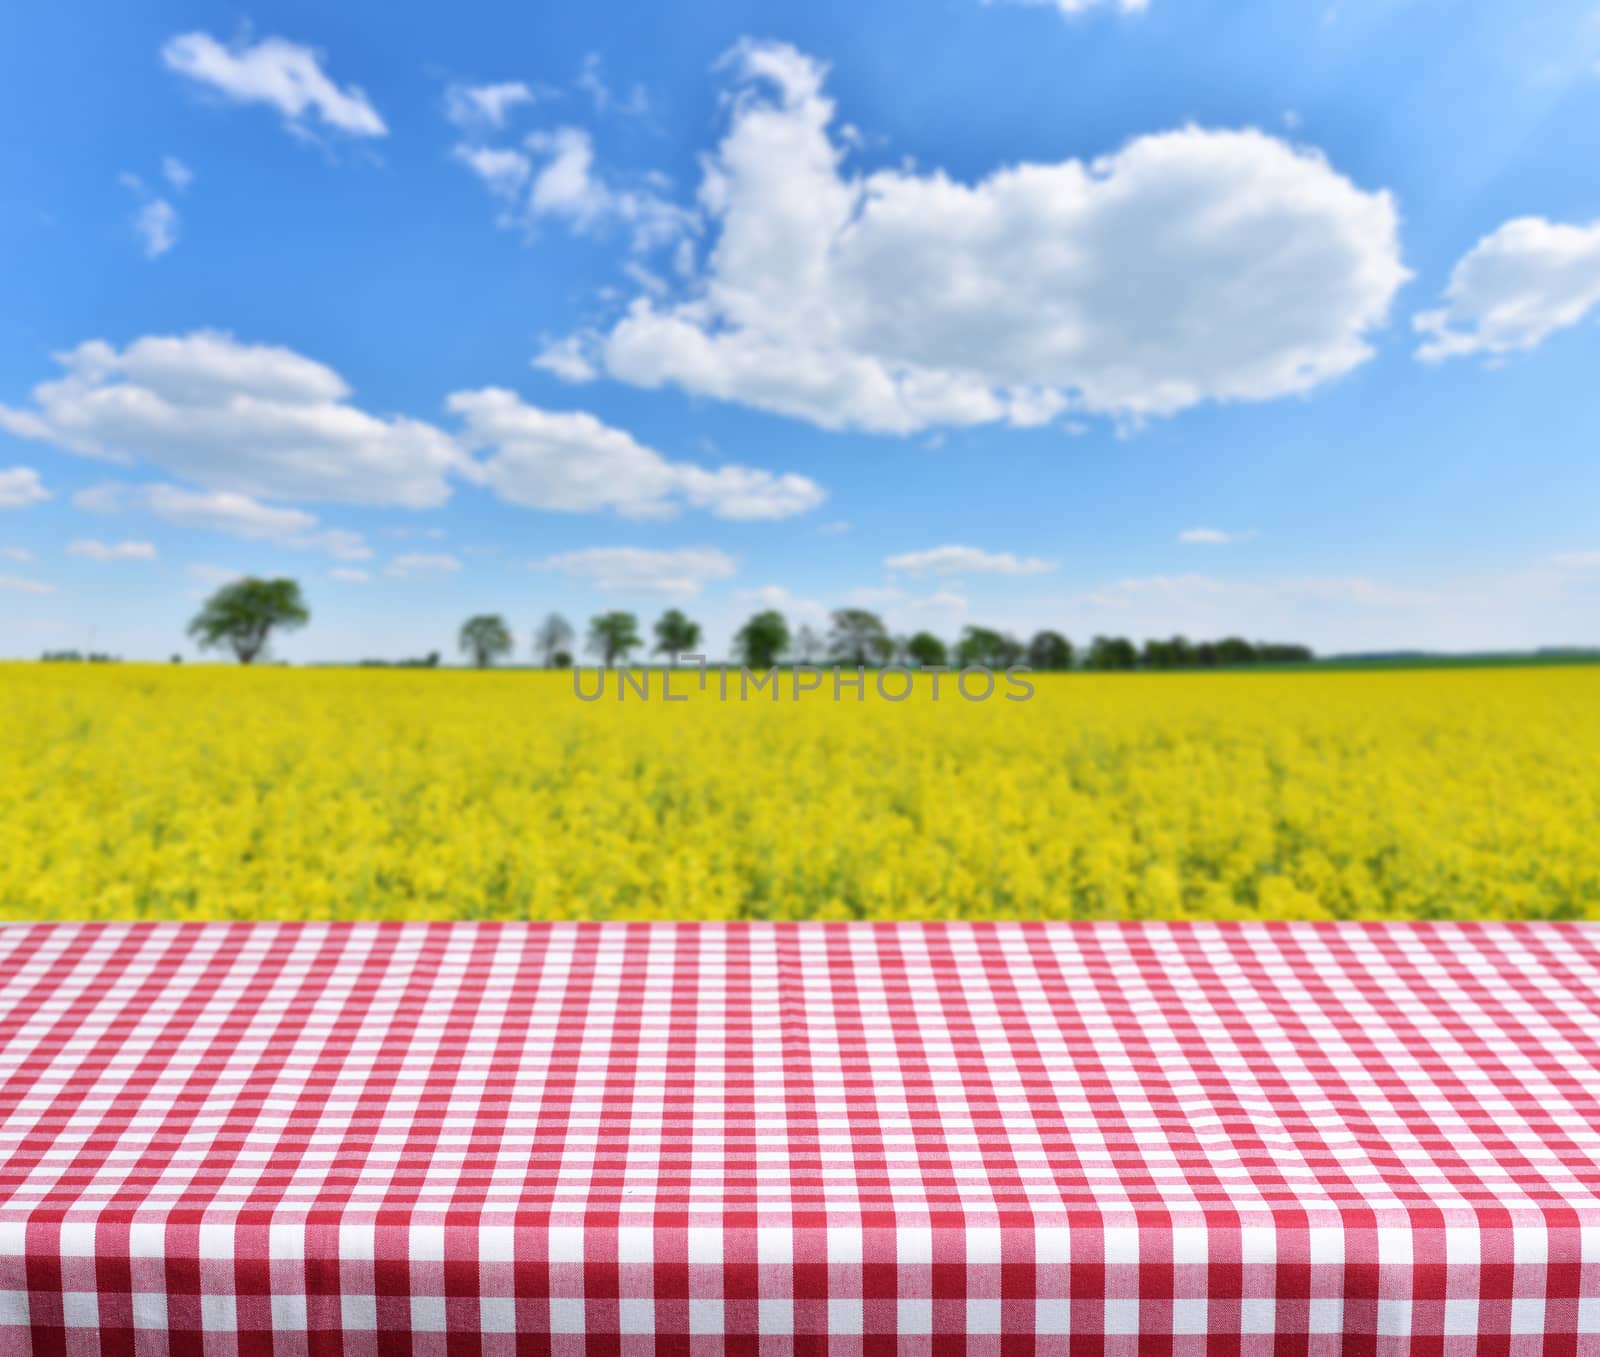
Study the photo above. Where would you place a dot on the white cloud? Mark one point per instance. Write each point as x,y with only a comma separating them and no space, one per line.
874,596
283,74
571,461
1211,537
680,573
1542,604
17,585
553,177
953,560
568,188
20,486
92,550
157,226
1514,289
225,511
156,222
176,173
1195,590
423,564
19,554
213,575
833,529
1189,266
255,419
487,106
503,171
347,576
636,105
775,596
946,603
566,359
1072,8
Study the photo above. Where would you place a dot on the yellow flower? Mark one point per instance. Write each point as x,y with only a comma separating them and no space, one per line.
209,792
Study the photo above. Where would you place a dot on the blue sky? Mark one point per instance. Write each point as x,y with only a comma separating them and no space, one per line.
1272,318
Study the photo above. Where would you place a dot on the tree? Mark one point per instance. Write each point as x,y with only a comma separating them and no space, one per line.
676,634
612,635
927,650
1271,652
1176,653
859,637
1050,650
762,640
1235,650
485,638
1112,652
984,646
808,647
554,635
243,614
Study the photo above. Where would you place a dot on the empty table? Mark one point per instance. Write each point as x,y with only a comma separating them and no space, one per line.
481,1138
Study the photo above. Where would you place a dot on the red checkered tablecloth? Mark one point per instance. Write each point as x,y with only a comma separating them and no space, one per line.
470,1138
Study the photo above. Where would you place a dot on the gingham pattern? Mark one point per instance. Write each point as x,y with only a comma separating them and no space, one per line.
496,1139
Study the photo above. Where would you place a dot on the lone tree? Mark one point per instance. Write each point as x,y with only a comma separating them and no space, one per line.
761,640
612,635
553,636
486,638
858,637
243,614
927,650
676,634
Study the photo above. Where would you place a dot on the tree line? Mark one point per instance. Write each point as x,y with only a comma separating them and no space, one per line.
859,638
242,616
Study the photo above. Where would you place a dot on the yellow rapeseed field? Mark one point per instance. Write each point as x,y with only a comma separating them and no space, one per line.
210,792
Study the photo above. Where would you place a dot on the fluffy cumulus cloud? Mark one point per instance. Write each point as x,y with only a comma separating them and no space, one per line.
1514,289
552,176
281,74
92,550
487,106
573,462
254,419
249,424
953,560
503,170
680,573
566,359
20,487
1188,266
224,511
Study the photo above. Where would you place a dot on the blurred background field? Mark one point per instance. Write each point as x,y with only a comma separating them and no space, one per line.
200,792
